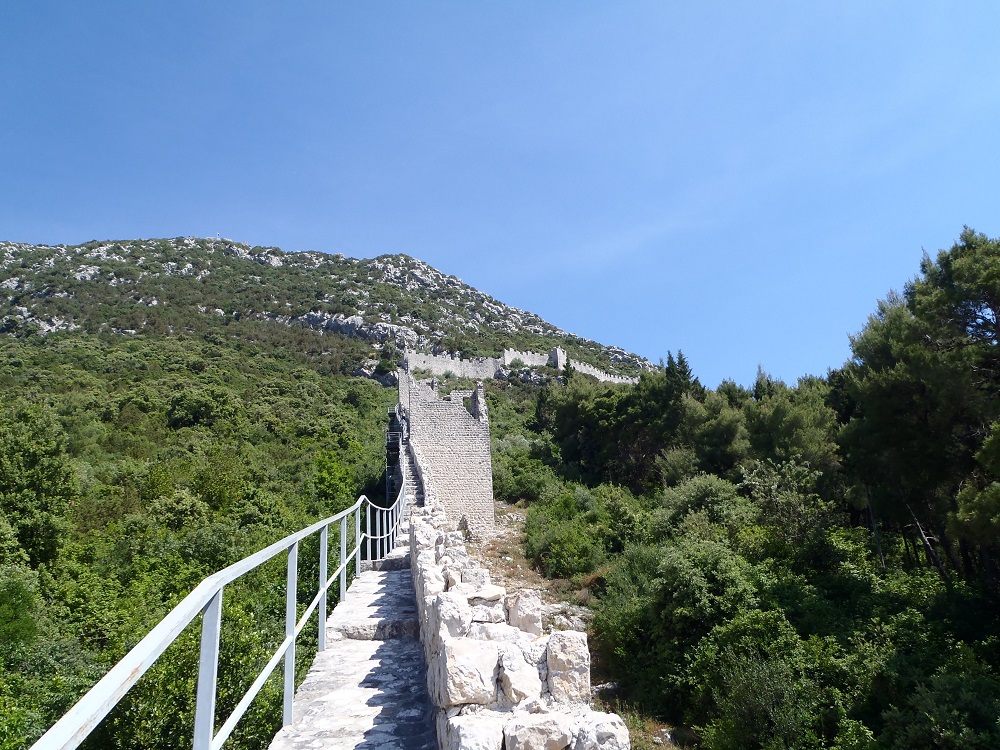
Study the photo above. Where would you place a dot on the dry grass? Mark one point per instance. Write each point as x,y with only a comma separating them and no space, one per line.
504,557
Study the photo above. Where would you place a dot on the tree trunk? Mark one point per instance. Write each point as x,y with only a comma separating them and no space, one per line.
932,555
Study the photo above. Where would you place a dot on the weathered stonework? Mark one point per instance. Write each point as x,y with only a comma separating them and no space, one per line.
452,446
495,685
483,368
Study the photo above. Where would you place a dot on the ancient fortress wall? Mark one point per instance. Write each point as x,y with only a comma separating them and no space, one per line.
453,443
486,367
478,369
604,377
495,678
530,359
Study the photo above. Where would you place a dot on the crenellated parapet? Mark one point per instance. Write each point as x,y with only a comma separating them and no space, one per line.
482,368
452,443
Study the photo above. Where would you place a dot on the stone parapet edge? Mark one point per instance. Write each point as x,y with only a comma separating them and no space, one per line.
495,681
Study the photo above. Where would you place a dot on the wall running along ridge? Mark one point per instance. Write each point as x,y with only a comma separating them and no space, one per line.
454,445
486,367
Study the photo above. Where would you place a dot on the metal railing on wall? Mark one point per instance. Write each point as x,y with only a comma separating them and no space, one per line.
381,528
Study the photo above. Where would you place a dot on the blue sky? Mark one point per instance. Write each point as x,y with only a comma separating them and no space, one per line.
741,181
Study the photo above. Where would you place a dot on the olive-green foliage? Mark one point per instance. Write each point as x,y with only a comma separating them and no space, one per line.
131,467
811,565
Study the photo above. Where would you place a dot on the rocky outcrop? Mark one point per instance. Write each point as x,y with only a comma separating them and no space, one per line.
495,680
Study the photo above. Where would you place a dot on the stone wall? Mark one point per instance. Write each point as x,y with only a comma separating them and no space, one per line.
496,681
530,359
604,377
486,367
453,443
439,364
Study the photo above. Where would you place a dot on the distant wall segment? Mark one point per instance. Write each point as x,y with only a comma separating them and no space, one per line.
453,443
486,367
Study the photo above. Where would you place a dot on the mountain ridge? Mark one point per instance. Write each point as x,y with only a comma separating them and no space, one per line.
392,300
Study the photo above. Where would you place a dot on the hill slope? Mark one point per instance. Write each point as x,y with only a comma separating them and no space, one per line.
177,284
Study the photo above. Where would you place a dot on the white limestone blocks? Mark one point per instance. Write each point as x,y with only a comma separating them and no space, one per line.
524,611
496,681
601,730
465,672
539,732
473,732
519,679
569,667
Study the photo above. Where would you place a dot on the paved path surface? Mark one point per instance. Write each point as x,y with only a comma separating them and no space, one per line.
368,690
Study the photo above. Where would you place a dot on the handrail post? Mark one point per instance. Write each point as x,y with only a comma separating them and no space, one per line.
377,554
343,558
291,594
208,673
357,542
368,527
323,544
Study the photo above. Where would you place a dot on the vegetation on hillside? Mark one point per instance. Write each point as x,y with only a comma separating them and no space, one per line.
796,566
167,285
131,467
782,566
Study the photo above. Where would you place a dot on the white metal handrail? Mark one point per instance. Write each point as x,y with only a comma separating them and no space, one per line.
381,524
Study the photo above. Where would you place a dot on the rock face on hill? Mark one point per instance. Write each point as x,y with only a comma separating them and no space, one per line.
394,300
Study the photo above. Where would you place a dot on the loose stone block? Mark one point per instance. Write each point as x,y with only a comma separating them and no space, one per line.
488,611
601,731
524,611
568,660
518,679
465,672
477,576
497,631
487,593
538,732
474,732
454,615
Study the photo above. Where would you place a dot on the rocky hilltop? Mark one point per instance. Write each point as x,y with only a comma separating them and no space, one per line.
123,286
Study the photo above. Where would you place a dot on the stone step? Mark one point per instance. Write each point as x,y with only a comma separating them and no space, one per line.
379,605
362,695
368,689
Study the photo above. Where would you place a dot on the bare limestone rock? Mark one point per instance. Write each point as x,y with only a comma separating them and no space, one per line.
474,732
601,731
464,672
487,605
551,731
569,667
454,615
519,680
496,631
524,611
477,576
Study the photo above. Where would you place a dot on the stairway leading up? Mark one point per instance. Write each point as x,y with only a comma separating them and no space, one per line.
368,689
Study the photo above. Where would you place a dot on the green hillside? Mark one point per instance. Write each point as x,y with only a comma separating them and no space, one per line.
186,284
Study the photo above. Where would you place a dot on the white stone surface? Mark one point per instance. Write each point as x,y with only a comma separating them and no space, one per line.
519,680
568,660
601,731
552,731
453,614
464,672
524,611
474,732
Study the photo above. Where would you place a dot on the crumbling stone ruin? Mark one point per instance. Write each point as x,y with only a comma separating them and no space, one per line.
495,680
451,442
486,367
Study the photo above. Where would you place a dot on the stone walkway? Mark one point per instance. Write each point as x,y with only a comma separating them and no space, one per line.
368,690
